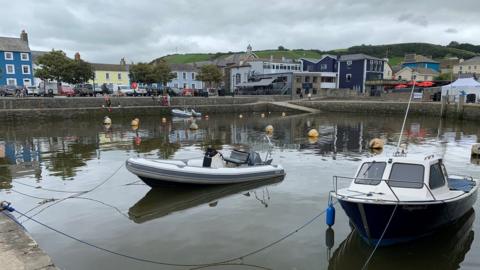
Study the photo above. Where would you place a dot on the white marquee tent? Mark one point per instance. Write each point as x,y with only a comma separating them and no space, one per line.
461,87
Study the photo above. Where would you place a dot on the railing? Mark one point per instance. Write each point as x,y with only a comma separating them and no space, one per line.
387,182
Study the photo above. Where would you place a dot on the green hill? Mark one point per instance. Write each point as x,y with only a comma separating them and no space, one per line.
395,52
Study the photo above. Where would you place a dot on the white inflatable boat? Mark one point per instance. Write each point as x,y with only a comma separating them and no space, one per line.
239,167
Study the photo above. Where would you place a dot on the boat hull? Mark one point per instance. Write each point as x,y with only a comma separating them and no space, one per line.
410,220
157,174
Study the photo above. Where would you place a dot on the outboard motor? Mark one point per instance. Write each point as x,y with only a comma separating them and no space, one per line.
207,158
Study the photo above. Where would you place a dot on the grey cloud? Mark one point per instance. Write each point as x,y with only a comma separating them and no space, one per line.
141,30
420,20
451,30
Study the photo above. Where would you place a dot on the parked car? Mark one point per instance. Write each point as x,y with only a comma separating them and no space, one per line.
66,90
33,91
187,92
141,91
125,90
84,90
8,90
48,88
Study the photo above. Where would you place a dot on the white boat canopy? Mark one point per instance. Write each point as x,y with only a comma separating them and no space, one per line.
461,87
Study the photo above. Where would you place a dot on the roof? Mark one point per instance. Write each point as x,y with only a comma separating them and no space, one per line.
473,60
312,60
183,67
417,58
358,56
13,45
109,67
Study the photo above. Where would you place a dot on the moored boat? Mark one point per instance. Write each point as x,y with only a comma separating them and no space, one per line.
397,199
185,113
237,168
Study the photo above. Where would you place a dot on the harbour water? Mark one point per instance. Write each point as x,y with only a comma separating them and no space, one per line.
185,228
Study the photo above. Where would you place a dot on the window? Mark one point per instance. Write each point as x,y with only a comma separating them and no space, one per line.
25,69
24,56
184,85
238,78
11,81
175,85
107,76
307,78
8,56
348,78
10,69
371,173
299,91
193,77
289,67
298,79
193,85
323,67
406,175
469,67
349,64
27,82
119,76
184,75
315,78
414,77
460,67
314,91
436,176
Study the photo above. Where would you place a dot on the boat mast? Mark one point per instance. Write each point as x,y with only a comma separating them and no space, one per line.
405,118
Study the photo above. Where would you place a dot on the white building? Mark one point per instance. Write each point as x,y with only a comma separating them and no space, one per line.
186,77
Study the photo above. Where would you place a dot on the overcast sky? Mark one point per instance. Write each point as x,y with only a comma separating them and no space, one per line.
140,30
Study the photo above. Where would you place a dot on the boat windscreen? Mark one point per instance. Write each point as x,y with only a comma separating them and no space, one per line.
406,175
371,173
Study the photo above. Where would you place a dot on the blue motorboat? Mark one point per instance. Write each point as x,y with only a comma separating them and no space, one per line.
398,199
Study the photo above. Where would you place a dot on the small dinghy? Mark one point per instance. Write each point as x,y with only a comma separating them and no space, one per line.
213,169
185,113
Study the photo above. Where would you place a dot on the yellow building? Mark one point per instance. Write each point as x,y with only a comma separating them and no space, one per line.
111,73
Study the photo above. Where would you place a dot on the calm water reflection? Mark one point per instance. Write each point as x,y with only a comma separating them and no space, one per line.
190,226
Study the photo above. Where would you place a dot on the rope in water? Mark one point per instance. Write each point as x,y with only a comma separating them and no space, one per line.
380,240
201,265
59,200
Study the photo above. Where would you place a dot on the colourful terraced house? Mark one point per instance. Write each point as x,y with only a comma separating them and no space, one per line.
109,74
15,61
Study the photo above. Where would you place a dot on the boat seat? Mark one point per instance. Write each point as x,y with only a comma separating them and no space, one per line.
237,157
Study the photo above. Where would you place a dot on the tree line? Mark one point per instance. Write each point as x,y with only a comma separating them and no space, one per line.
55,65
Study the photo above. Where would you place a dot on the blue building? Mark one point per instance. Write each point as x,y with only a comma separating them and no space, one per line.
355,70
328,63
15,61
419,61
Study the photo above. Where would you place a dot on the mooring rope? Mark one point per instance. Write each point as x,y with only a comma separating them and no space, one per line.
58,200
197,266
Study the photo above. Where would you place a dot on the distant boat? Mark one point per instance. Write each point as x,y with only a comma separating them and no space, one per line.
185,113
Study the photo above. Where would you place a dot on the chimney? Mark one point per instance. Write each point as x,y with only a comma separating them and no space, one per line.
24,36
123,62
77,56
